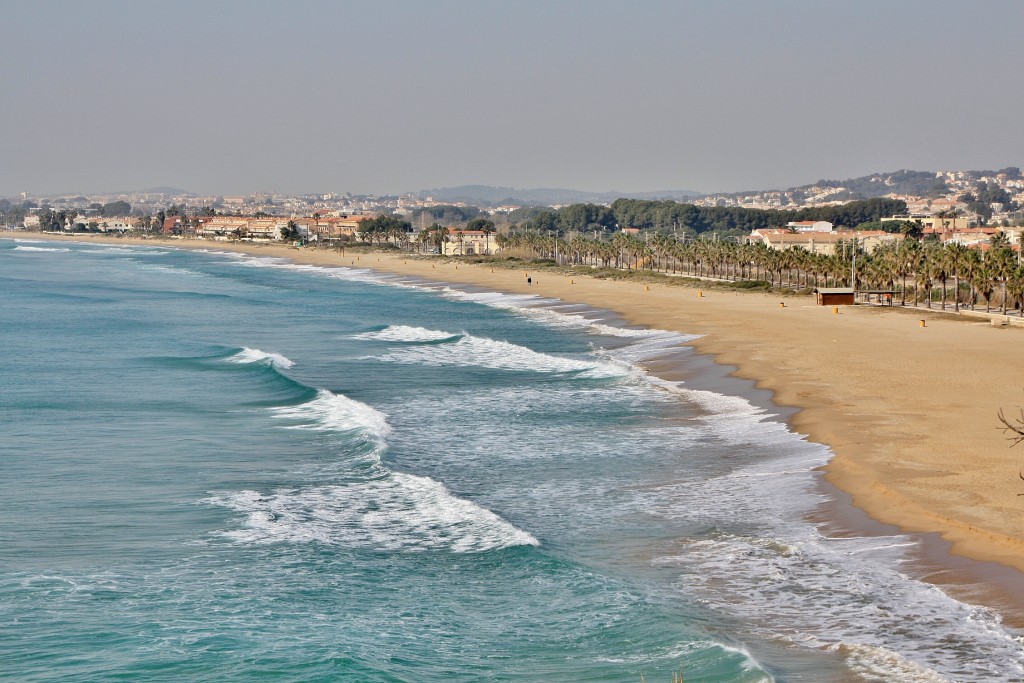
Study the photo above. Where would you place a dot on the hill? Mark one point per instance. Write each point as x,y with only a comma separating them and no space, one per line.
486,195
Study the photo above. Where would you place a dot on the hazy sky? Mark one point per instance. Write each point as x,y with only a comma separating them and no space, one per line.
378,97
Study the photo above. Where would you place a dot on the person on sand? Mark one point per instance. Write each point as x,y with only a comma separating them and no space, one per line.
529,280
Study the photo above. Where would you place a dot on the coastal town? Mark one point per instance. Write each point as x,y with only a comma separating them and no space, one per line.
967,207
957,244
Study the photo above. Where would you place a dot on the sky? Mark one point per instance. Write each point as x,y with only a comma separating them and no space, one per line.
381,97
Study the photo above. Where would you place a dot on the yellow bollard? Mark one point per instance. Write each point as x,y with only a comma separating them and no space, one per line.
700,294
572,282
782,304
646,288
924,324
492,270
835,310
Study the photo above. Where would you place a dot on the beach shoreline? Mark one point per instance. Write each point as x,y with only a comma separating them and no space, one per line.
908,410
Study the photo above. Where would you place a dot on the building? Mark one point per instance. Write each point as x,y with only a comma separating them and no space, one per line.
469,243
935,223
822,242
238,227
117,224
834,296
810,226
330,228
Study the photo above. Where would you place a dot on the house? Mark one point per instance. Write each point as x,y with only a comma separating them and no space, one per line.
470,242
238,227
173,225
330,228
116,224
935,223
810,226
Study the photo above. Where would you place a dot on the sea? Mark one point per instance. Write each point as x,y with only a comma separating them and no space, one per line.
220,467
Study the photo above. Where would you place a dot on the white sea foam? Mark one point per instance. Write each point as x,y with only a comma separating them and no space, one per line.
349,273
695,648
22,248
873,663
405,333
843,594
336,412
247,355
470,351
398,512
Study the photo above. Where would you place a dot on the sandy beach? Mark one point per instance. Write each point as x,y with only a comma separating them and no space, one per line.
910,411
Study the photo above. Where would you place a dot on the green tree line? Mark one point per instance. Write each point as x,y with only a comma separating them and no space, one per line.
919,272
693,220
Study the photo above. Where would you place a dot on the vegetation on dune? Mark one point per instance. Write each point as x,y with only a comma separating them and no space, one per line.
929,273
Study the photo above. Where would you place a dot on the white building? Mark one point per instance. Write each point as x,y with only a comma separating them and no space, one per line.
810,226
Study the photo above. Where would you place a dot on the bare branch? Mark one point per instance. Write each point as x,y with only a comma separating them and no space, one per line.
1014,429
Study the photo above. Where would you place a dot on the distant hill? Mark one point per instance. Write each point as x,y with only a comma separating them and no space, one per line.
171,191
486,195
917,183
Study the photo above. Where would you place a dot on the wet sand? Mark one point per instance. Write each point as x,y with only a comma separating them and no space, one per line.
910,411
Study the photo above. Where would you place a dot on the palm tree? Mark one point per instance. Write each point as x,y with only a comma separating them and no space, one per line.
1016,289
956,260
983,280
1002,261
971,263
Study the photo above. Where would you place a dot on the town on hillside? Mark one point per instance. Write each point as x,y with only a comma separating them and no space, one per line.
957,241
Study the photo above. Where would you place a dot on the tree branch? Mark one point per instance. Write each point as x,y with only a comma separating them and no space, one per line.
1014,429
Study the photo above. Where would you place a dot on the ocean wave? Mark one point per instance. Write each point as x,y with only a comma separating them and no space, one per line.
121,251
471,351
247,355
23,248
873,663
405,333
396,513
838,594
336,412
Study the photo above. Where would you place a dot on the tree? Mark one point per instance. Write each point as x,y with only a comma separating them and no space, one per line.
382,228
112,209
955,261
437,235
1002,261
290,232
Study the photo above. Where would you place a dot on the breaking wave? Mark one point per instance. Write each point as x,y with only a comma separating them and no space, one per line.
247,355
398,512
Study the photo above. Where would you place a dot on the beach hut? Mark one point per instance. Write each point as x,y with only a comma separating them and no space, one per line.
834,296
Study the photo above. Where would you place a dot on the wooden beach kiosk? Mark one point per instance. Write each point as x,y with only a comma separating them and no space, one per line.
835,296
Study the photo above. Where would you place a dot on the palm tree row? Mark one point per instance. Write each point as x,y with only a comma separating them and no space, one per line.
927,272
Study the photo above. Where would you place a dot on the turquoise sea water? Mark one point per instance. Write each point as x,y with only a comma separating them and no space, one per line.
215,467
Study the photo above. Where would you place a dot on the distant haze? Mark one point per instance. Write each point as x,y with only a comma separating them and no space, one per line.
234,97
